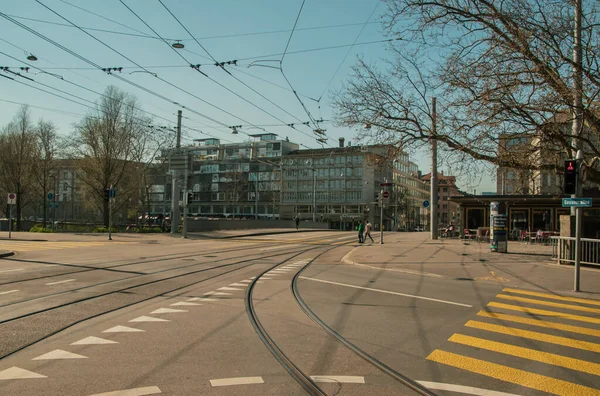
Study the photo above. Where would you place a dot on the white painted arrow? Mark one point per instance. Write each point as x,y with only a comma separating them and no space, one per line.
18,373
122,329
148,390
229,289
238,284
183,303
148,319
166,310
93,341
59,354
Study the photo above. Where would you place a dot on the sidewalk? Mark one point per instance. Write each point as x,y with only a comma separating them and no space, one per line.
525,266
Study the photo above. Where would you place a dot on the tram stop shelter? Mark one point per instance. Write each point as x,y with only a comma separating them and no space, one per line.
526,214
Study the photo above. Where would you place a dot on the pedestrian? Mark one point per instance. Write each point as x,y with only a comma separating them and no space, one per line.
368,227
297,219
361,228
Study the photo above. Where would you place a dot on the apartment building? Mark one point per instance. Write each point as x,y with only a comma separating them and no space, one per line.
447,210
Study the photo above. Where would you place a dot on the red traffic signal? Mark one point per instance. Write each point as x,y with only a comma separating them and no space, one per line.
570,177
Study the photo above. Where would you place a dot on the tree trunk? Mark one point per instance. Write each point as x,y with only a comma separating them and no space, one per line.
44,206
18,227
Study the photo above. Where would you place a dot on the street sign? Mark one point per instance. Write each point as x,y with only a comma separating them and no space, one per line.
576,202
50,196
425,204
12,198
386,195
384,184
113,193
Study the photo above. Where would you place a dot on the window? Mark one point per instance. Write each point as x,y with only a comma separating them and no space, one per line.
445,189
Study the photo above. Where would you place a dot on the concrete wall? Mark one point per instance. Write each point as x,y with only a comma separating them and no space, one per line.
209,225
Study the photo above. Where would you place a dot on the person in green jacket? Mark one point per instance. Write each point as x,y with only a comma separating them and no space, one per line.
361,228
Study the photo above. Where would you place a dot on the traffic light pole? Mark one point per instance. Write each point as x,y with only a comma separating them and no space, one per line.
578,214
185,206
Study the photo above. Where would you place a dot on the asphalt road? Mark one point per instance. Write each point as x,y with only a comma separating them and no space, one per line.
162,315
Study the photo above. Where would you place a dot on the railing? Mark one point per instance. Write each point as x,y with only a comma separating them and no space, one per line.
563,250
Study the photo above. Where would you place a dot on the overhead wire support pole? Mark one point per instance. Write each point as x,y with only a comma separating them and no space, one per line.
577,132
433,223
175,193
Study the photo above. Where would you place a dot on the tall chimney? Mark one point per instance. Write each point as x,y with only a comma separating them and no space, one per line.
341,142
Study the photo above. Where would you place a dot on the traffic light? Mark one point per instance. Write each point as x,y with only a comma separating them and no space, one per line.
570,184
106,195
189,197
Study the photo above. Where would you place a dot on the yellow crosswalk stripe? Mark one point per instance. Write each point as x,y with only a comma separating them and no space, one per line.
552,296
543,312
540,323
534,335
512,375
548,303
527,353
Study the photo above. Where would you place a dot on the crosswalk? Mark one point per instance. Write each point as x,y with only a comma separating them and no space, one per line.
23,246
533,339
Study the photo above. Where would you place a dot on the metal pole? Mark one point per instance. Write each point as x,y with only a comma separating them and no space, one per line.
185,205
577,129
256,194
434,179
175,183
110,201
178,142
54,204
381,216
314,195
9,221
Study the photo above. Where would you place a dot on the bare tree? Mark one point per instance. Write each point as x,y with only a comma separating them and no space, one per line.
112,144
46,150
499,69
235,187
17,142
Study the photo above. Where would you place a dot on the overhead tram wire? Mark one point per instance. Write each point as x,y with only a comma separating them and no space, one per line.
292,32
216,82
349,49
143,35
82,87
100,68
223,67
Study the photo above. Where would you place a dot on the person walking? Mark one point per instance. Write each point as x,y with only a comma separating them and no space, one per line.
297,219
368,228
361,228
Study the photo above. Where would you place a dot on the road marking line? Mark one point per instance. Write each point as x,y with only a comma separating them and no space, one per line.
504,373
229,289
246,280
183,303
264,277
390,292
236,381
122,329
548,303
167,310
59,354
148,319
93,341
9,291
552,296
527,353
18,373
535,311
148,390
534,335
238,284
11,270
463,389
540,323
346,379
62,281
216,294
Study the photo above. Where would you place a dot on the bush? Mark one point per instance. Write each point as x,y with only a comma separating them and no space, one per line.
40,228
105,229
148,230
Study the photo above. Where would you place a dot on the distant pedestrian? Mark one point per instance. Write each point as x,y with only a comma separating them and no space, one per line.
297,219
361,228
368,228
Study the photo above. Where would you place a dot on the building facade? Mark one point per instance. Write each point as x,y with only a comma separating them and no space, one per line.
447,210
273,179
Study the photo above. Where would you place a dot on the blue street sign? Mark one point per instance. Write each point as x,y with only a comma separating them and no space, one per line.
50,196
425,204
113,193
576,202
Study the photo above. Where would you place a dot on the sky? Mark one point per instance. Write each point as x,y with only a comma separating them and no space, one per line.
255,33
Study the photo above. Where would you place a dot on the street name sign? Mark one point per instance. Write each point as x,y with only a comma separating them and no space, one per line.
576,202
